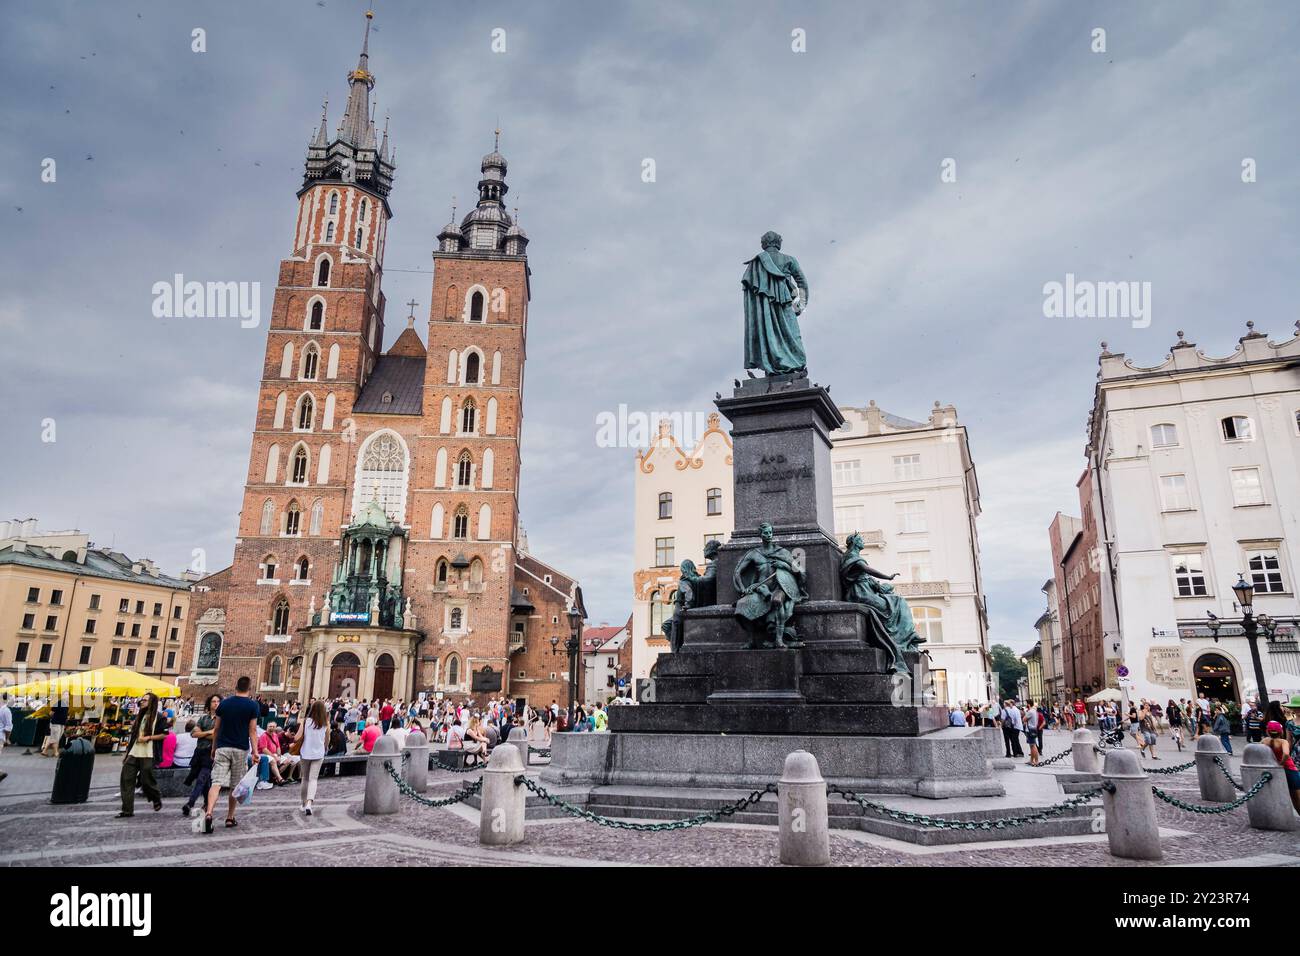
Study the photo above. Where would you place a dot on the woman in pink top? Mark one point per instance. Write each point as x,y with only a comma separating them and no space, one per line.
168,749
372,733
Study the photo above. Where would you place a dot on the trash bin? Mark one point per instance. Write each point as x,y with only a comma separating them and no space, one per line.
72,773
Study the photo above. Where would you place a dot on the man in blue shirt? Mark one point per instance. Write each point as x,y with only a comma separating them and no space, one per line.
234,742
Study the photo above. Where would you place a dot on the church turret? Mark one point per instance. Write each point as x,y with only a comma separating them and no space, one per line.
486,224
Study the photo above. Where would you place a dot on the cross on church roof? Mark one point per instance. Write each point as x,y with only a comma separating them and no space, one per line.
410,319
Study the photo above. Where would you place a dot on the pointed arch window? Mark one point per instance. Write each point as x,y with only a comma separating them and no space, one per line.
268,516
468,416
334,203
310,362
460,524
299,474
292,519
453,670
329,232
472,366
323,273
476,302
464,470
317,321
363,209
280,619
302,569
382,475
317,516
476,571
359,235
275,673
441,572
268,568
306,414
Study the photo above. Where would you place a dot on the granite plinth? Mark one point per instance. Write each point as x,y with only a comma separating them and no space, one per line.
749,718
948,762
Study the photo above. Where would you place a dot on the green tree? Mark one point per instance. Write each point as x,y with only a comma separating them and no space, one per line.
1008,667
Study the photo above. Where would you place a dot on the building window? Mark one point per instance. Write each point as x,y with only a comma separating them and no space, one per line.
907,467
153,633
94,602
456,619
848,518
329,232
20,654
665,504
323,273
1238,428
33,595
712,537
84,659
664,552
911,516
476,307
292,519
1163,435
56,598
124,606
176,612
130,657
135,629
317,516
280,619
115,657
1265,572
157,610
120,629
317,321
139,607
46,650
29,622
1173,493
275,673
268,516
382,475
471,368
468,416
171,660
464,470
713,501
148,659
301,571
310,363
359,235
334,203
1189,575
656,614
1246,487
441,573
363,211
90,625
52,622
453,670
306,413
298,475
460,524
848,472
268,568
916,564
173,636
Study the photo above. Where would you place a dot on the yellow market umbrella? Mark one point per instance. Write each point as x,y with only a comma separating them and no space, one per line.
102,682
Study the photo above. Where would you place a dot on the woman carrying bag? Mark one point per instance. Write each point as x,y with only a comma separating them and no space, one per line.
137,766
309,746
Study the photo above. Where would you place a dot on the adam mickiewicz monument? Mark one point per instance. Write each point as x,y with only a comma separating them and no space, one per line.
785,641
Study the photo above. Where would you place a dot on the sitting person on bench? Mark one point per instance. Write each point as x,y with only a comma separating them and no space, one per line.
337,742
476,740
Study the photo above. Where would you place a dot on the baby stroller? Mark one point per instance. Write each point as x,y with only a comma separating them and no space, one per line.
1111,738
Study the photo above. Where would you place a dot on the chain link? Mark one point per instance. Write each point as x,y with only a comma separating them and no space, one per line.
1218,761
540,751
408,791
941,823
710,816
1051,760
1173,801
1177,769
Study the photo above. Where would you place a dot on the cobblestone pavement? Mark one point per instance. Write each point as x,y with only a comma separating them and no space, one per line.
272,832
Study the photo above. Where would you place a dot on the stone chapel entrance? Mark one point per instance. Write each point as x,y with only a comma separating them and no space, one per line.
345,675
384,668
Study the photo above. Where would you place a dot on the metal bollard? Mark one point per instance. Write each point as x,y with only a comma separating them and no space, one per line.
1271,808
1214,785
801,812
1131,826
519,737
417,767
501,813
382,794
1084,746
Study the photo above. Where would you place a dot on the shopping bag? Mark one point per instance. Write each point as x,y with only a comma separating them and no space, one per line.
243,791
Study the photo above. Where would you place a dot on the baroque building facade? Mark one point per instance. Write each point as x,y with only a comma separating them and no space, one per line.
1195,480
379,551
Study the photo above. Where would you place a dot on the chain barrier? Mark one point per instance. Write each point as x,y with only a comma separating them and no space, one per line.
1051,760
1176,769
942,823
1222,766
709,816
540,751
1173,801
408,791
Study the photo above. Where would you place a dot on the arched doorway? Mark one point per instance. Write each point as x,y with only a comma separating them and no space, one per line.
1215,678
384,668
345,675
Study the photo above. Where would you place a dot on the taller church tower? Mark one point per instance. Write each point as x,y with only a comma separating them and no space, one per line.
325,332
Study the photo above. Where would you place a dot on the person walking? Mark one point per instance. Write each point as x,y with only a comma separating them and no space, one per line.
58,721
311,740
234,736
137,766
1223,728
1254,723
1011,727
200,775
1033,721
1147,724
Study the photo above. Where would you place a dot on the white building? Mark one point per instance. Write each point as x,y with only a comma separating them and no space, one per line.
682,499
1196,478
602,648
910,489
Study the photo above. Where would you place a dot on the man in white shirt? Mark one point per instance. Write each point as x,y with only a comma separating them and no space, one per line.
6,726
186,745
1011,727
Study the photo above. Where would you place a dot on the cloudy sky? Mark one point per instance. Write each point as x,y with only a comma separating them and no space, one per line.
1116,165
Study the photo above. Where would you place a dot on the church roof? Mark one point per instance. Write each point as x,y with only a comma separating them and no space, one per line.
395,387
408,345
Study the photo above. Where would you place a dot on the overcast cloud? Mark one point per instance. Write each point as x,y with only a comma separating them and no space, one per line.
1123,165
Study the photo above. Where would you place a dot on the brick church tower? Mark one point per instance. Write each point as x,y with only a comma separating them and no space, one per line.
379,544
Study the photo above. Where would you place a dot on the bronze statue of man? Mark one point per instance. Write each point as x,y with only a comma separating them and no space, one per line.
770,583
776,292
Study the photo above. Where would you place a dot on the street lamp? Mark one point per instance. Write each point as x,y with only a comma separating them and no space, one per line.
1245,591
1213,624
574,647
